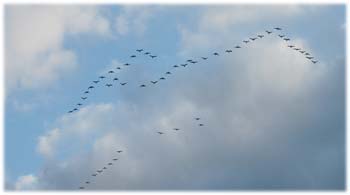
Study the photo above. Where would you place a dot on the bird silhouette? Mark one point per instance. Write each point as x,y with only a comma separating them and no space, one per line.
184,65
238,46
152,56
95,82
175,66
246,41
228,51
260,36
123,83
119,151
314,61
84,98
286,39
139,50
109,85
102,77
115,79
204,58
278,28
142,85
126,64
161,78
111,71
201,124
133,56
176,129
268,32
160,133
154,82
215,54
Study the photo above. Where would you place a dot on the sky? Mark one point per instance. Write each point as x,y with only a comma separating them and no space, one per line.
272,119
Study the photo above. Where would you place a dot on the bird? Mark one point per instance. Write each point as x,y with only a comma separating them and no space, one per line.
176,129
291,46
286,39
110,163
75,109
81,187
139,50
79,104
168,72
201,124
154,82
126,64
238,46
109,85
87,182
253,39
268,32
160,133
95,82
193,62
197,118
146,53
302,51
111,71
118,68
175,66
204,58
161,78
281,36
123,83
84,98
228,51
94,175
70,111
296,49
314,61
133,56
215,54
102,77
307,54
115,159
184,65
99,171
278,28
152,56
119,151
91,87
115,79
104,167
189,60
142,85
260,36
86,92
309,58
246,41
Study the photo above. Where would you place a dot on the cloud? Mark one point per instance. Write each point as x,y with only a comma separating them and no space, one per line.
26,182
273,121
35,53
134,19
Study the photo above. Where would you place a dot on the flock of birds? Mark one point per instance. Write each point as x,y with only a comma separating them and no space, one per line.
111,79
103,169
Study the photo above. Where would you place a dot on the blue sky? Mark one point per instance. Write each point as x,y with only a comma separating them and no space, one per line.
268,111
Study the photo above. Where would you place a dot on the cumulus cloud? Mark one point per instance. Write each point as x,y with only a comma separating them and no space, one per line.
26,182
273,120
134,19
35,54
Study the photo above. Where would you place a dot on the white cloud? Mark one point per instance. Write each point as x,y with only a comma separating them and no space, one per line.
35,55
134,19
26,182
79,125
